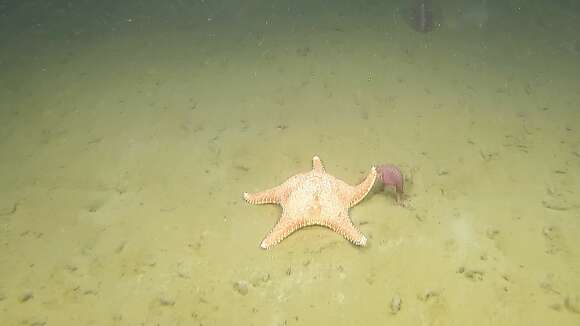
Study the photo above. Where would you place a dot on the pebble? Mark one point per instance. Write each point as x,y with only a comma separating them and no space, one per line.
396,303
572,304
428,295
242,287
166,301
26,296
260,279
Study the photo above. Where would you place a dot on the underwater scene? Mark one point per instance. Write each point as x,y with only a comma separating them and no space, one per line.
231,162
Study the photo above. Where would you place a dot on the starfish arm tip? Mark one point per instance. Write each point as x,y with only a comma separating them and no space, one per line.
317,164
246,196
362,241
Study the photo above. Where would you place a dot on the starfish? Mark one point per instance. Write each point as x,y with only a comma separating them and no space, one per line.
314,198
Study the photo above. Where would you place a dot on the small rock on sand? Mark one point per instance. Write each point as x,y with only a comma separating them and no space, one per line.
396,303
242,287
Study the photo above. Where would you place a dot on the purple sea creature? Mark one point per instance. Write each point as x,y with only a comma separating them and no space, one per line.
391,176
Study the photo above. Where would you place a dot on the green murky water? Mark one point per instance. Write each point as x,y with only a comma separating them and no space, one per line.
129,130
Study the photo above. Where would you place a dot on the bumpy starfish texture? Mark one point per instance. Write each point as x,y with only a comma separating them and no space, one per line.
314,198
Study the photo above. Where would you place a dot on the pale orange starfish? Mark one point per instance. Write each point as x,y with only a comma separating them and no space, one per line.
314,198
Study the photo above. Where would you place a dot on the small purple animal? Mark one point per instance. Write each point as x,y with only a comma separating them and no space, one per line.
391,176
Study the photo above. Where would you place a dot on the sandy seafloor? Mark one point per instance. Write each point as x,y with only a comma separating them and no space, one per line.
129,130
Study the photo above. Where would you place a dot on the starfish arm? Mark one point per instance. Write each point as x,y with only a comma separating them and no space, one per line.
317,165
355,194
270,196
281,230
344,227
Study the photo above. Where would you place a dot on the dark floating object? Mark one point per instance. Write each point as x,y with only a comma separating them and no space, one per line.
391,176
421,15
